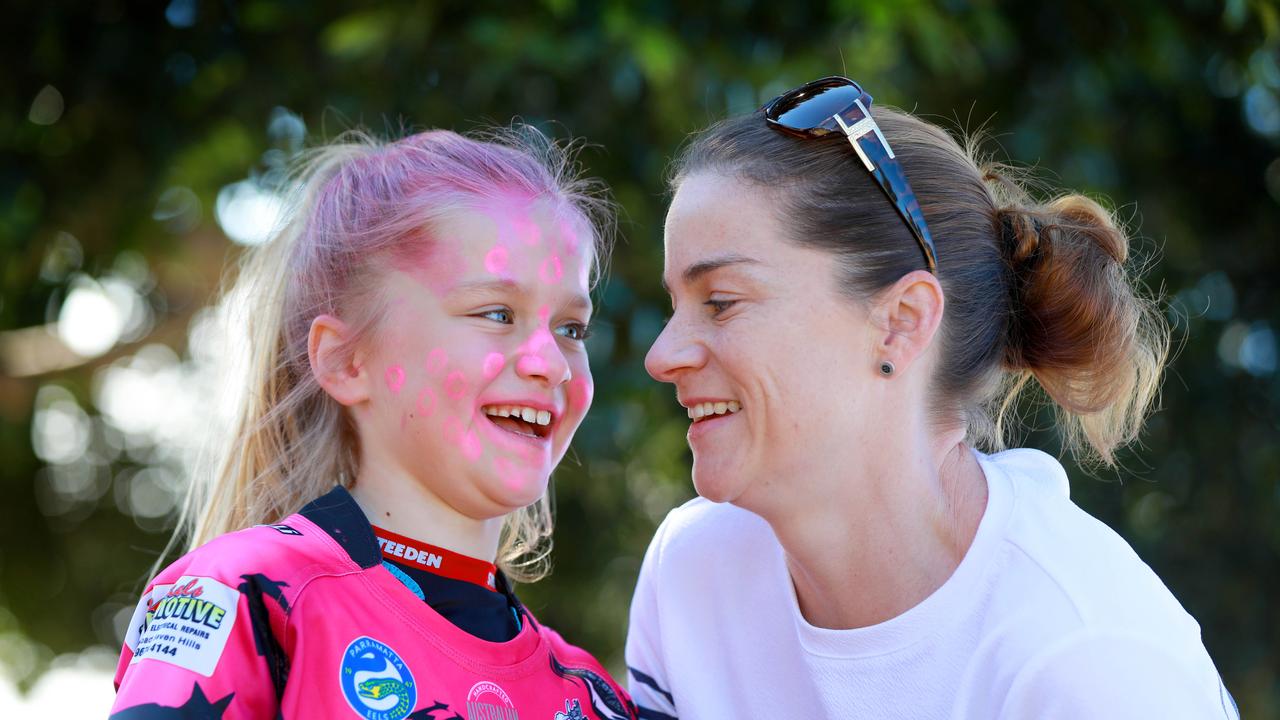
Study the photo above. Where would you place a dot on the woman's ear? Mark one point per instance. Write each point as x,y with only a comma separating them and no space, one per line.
338,369
908,315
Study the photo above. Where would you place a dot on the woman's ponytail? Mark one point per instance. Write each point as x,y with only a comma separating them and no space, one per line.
1076,323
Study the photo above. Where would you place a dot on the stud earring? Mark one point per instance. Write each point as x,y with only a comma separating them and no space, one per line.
886,368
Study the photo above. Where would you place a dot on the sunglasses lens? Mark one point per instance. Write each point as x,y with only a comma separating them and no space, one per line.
812,107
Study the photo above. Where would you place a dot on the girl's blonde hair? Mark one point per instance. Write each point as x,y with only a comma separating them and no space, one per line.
361,202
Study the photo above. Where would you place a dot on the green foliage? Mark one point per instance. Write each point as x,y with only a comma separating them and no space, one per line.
1170,110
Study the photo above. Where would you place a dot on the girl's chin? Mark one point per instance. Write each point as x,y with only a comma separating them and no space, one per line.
520,483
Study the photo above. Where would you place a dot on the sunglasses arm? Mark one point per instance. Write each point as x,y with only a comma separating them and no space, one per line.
860,129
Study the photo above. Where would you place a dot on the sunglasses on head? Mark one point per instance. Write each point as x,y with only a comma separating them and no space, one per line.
839,105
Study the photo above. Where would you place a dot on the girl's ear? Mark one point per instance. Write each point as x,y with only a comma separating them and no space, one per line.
338,369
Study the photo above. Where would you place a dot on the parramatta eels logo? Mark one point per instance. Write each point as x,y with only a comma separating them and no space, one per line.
376,682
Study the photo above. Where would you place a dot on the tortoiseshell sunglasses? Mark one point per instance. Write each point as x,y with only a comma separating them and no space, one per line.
838,104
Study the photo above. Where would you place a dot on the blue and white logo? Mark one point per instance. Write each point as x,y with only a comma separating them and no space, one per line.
375,681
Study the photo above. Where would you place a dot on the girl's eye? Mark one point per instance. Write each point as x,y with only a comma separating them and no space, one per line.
719,306
501,315
574,331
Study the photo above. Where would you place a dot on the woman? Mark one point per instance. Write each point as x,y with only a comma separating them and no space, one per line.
418,371
843,341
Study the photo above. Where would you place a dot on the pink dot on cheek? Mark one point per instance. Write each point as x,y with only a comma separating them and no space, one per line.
436,360
456,384
496,260
470,445
493,364
427,402
551,271
581,391
395,378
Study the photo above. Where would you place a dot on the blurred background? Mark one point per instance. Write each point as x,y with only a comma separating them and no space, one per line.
142,147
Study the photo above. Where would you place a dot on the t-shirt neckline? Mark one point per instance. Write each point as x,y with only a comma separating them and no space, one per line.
947,604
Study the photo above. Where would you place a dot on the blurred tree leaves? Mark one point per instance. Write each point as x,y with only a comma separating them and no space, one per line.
1170,110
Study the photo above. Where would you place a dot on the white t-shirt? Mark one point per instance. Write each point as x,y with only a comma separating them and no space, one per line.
1050,615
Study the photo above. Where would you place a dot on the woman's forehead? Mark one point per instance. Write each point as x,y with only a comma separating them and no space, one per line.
713,217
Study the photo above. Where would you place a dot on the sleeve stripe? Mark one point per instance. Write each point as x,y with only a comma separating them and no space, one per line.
647,714
648,680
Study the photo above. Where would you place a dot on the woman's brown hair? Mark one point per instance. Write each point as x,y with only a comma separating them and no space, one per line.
1036,290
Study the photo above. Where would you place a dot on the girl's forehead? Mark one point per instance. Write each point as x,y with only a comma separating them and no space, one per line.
529,241
516,221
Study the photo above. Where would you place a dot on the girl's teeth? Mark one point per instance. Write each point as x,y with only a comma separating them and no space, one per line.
528,414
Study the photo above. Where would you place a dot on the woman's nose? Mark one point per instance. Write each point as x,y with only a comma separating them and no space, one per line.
675,351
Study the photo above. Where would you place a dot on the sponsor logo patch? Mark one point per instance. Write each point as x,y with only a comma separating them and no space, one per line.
185,624
375,681
283,529
488,701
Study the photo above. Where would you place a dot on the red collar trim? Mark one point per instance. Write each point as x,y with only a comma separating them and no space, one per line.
435,560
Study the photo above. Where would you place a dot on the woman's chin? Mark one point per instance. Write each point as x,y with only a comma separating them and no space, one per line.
716,484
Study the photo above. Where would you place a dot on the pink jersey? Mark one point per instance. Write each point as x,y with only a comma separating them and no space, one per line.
303,620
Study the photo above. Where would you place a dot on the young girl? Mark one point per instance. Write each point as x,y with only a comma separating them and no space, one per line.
419,369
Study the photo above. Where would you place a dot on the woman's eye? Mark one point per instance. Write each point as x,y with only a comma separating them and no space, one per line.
501,315
574,331
720,306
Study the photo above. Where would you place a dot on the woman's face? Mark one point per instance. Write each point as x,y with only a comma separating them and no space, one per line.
766,354
480,370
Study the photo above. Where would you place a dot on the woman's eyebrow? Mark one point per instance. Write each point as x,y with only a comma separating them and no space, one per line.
702,267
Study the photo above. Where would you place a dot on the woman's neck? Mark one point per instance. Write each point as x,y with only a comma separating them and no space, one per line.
877,545
394,500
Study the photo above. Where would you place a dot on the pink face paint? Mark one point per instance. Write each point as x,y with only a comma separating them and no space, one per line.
568,236
512,476
526,229
436,360
531,365
456,384
470,445
540,338
551,271
439,268
493,364
426,403
496,260
530,362
581,391
544,312
395,378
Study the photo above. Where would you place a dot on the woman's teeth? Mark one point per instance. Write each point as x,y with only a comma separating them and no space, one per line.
701,410
527,414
